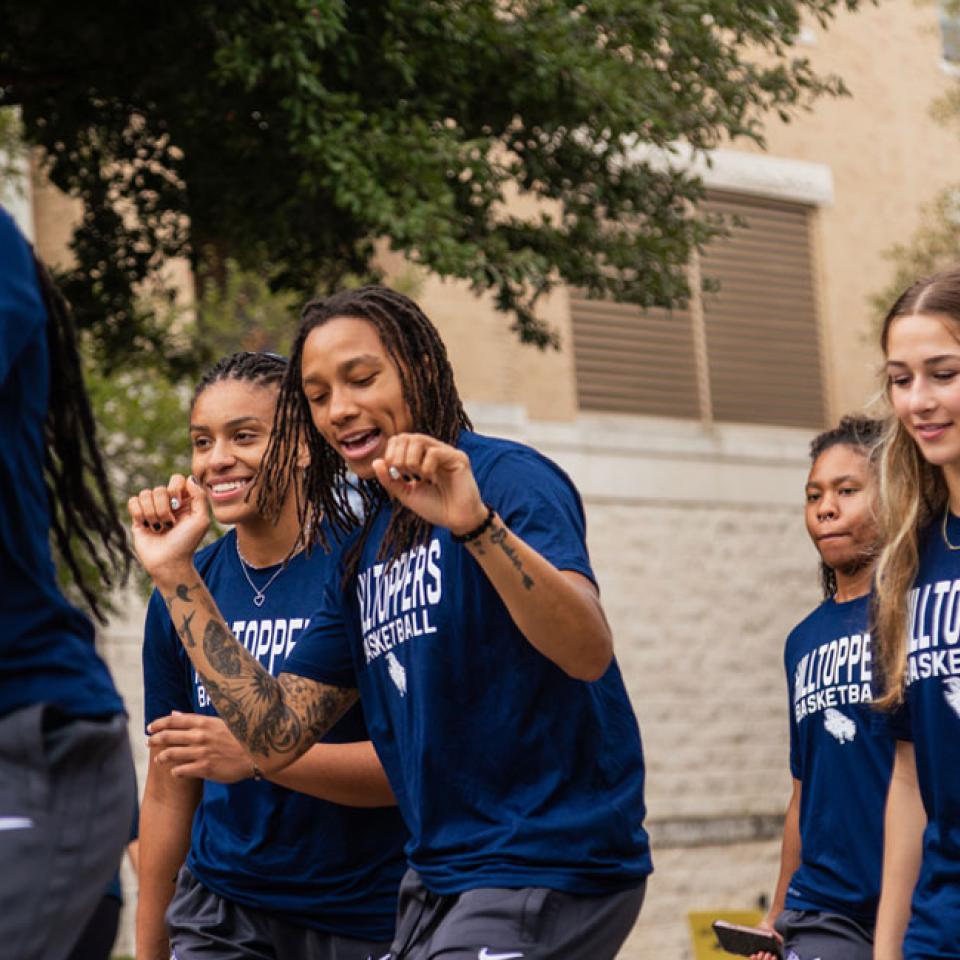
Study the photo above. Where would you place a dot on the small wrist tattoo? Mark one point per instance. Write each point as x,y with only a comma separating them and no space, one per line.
478,531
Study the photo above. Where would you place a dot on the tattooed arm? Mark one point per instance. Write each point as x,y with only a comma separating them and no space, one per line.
558,611
275,718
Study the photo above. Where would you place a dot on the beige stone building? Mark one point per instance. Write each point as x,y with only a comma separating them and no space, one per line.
687,436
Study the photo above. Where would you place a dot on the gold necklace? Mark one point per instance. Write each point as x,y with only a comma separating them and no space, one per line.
943,530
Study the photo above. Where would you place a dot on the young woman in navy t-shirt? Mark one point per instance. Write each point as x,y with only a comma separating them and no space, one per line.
918,622
67,789
465,614
825,902
264,871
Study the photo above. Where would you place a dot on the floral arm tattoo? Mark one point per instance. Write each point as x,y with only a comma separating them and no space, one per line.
270,715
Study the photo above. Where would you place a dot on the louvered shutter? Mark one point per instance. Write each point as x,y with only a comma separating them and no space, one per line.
633,361
761,327
759,331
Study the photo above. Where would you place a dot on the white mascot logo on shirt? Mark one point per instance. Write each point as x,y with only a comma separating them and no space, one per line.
951,693
836,724
397,673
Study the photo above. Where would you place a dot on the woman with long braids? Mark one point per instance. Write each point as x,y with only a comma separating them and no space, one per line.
918,621
825,903
465,615
67,787
270,873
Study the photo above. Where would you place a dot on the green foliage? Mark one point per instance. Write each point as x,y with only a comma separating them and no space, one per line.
11,144
935,245
301,132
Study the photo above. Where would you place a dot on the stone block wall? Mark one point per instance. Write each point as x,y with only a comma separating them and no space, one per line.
697,541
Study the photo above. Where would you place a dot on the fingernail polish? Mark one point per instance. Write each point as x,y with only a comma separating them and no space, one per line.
157,526
174,503
394,473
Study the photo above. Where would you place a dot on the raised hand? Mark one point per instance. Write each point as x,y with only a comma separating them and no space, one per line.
199,746
168,523
432,479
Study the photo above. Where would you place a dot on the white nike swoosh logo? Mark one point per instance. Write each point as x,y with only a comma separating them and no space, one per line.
16,823
485,954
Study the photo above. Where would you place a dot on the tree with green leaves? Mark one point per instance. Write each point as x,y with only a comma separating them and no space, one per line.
293,136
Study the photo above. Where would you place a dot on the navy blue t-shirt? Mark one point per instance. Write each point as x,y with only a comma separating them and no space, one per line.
318,864
930,717
508,772
47,651
842,755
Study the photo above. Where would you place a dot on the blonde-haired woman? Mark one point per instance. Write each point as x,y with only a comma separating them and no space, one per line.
917,621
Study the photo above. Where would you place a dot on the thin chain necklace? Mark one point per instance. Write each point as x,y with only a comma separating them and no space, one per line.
258,593
946,539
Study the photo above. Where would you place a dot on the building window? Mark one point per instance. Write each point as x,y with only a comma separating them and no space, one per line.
748,352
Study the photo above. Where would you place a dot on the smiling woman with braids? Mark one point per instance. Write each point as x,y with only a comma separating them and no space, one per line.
465,614
66,775
287,876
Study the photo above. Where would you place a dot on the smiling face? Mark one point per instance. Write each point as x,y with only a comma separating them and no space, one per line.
354,391
923,369
230,427
839,513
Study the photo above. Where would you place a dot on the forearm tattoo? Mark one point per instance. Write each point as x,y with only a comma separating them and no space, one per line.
498,537
268,715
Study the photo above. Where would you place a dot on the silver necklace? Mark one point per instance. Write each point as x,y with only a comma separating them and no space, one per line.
258,593
943,529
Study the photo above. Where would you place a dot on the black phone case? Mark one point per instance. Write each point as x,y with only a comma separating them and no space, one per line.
746,942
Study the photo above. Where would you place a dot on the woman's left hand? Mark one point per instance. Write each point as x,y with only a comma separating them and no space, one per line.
433,479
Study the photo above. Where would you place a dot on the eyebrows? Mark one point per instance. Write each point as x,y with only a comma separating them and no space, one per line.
346,367
229,425
928,362
834,481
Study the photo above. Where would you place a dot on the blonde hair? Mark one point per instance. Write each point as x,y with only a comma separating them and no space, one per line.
911,493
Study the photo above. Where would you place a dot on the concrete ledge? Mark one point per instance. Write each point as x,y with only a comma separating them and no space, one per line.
712,832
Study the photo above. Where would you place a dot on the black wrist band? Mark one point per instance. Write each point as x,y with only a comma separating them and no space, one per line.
476,532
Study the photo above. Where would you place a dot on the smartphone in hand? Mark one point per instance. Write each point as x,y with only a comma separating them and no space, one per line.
746,941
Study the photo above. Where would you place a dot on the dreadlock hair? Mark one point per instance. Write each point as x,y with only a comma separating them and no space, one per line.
259,369
82,509
862,434
429,391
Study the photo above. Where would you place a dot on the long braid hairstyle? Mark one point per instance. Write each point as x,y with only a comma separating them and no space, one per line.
861,434
913,492
83,514
429,390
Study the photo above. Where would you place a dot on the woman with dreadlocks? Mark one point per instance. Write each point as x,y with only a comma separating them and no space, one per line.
270,873
465,614
67,786
825,904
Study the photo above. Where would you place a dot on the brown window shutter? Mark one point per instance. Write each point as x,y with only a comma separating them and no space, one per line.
630,360
761,325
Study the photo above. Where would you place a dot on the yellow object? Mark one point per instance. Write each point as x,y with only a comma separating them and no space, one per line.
705,946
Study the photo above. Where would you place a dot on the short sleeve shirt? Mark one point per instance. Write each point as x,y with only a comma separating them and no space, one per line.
842,755
930,717
314,863
508,771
